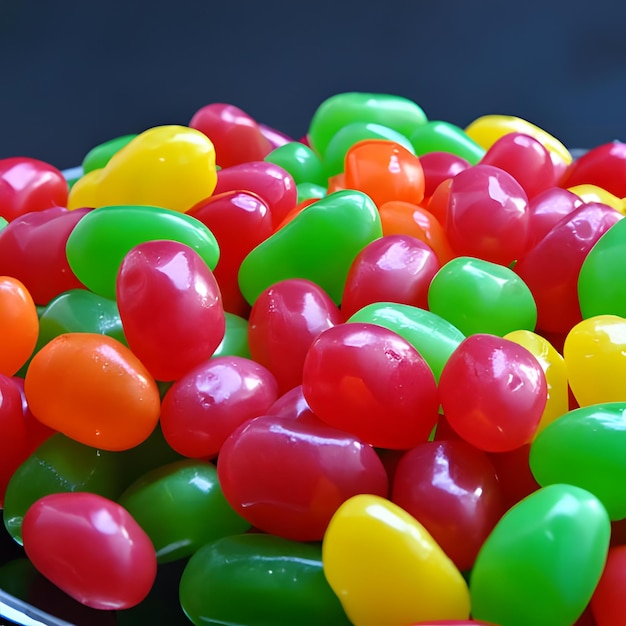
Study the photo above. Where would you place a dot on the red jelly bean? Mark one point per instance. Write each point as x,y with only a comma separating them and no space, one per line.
395,268
91,548
201,409
269,181
29,185
291,405
369,381
237,138
170,307
525,159
36,431
493,392
452,489
608,604
287,477
547,209
439,166
487,215
284,321
516,479
32,249
240,221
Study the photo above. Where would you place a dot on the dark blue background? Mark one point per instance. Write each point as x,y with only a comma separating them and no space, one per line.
74,74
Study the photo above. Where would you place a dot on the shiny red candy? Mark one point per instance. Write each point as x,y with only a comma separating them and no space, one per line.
439,166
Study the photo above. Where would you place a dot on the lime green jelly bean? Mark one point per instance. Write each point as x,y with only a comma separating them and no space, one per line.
438,136
235,341
310,190
101,154
300,161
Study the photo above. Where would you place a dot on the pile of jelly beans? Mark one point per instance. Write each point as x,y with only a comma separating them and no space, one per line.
374,376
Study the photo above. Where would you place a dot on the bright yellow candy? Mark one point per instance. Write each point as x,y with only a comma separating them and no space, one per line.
553,366
386,568
593,193
172,167
486,130
595,360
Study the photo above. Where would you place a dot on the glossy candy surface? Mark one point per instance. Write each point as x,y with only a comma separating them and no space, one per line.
440,136
91,548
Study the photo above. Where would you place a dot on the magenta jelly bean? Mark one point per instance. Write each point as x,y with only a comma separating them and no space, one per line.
547,209
439,166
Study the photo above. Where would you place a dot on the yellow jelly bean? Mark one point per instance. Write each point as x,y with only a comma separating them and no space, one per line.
595,360
386,568
486,130
172,167
553,366
593,193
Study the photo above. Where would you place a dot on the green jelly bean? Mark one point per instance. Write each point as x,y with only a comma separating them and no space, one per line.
181,507
259,580
542,561
101,154
3,223
96,247
235,341
437,136
602,281
310,190
79,311
300,161
585,447
482,297
398,113
347,136
432,336
319,244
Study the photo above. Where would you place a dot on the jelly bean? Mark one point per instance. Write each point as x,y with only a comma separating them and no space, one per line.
335,183
13,435
526,159
310,191
432,336
19,325
239,220
100,155
453,622
452,489
543,559
181,507
487,215
593,193
300,161
287,477
203,407
477,296
594,352
600,281
339,110
385,171
283,323
94,389
404,218
32,249
439,166
319,245
258,580
438,136
487,129
79,311
170,307
395,268
235,341
584,448
514,475
603,166
439,201
371,382
100,241
608,604
72,175
36,432
563,251
91,548
276,137
493,392
353,133
236,136
28,185
269,181
386,568
172,167
553,366
291,405
547,209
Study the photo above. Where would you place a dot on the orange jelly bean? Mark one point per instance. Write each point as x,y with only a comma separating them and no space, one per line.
19,325
385,171
93,389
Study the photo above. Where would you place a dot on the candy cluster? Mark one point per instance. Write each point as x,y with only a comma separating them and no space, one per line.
373,376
